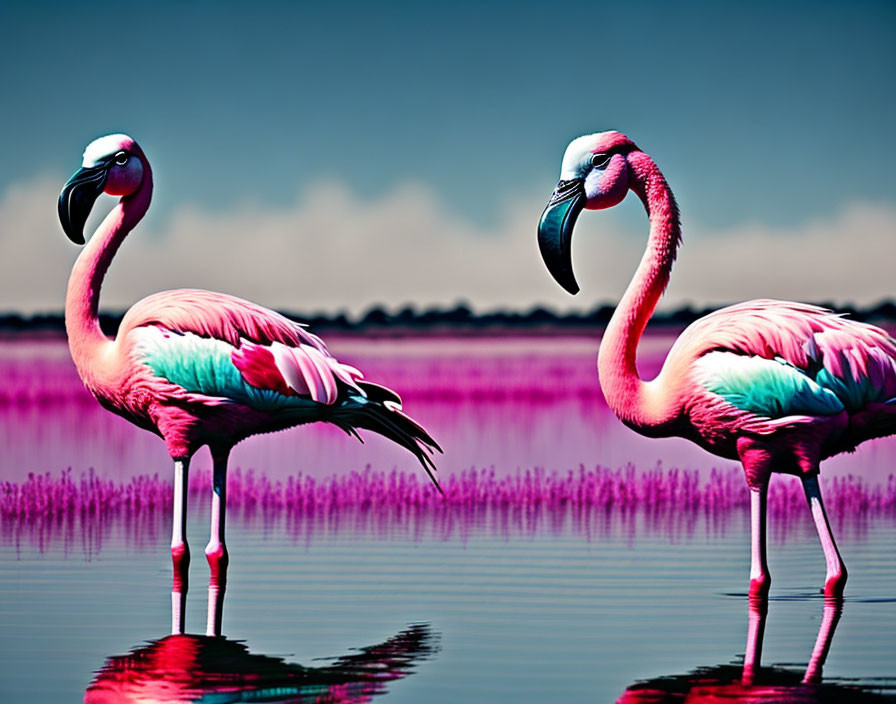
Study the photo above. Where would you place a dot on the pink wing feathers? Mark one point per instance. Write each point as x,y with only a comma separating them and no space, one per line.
855,360
270,351
797,332
217,316
294,371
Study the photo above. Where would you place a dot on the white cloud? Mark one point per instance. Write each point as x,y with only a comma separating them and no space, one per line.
331,250
844,258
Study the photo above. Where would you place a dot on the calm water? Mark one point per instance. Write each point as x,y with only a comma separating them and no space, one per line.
515,600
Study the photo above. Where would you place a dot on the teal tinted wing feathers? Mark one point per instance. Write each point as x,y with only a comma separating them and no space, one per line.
204,366
766,387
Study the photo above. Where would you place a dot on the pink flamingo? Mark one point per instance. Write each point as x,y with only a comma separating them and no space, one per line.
201,368
778,385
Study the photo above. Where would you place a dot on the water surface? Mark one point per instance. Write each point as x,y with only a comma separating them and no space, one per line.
516,591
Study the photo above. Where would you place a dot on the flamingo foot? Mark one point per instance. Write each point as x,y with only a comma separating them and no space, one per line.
759,587
218,560
835,584
180,558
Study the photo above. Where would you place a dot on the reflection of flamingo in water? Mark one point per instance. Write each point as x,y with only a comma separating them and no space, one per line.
755,684
189,668
202,368
780,386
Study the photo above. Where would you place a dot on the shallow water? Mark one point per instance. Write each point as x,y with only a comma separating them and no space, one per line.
523,598
538,618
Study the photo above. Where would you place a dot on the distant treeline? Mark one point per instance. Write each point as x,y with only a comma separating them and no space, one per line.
457,319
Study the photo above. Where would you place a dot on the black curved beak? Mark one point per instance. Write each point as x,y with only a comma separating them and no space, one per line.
555,231
77,198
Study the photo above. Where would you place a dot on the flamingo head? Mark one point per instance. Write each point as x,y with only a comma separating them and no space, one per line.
114,165
594,175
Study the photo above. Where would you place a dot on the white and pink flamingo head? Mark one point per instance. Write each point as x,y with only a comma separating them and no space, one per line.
594,175
113,164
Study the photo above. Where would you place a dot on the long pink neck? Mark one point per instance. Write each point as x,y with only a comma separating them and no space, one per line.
86,340
632,399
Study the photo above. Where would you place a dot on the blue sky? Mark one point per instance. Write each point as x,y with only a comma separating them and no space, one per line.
770,120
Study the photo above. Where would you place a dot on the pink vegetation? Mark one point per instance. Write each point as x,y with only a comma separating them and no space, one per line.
395,504
601,488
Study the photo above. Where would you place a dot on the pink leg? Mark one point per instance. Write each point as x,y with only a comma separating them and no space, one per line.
755,633
757,460
760,578
833,607
835,580
216,550
180,551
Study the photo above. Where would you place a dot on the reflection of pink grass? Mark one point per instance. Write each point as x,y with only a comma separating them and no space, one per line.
591,503
507,402
445,369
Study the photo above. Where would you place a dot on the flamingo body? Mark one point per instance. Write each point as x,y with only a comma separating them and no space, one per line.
778,385
784,371
201,368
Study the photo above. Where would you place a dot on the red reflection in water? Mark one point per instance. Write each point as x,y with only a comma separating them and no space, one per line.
190,668
753,684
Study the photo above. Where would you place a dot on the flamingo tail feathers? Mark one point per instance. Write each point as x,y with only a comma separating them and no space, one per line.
379,394
379,413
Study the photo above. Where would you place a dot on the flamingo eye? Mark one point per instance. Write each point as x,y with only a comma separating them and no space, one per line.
121,158
600,160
